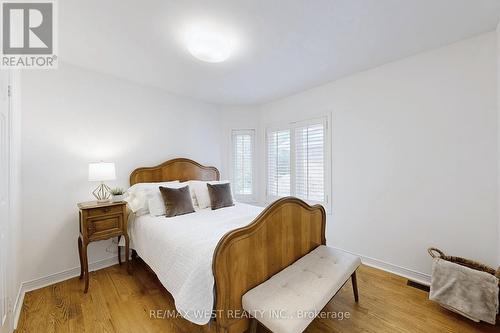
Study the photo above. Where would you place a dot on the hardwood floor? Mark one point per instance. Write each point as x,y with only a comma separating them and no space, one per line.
118,302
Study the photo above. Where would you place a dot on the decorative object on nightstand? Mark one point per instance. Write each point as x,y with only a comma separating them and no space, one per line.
117,194
100,172
99,221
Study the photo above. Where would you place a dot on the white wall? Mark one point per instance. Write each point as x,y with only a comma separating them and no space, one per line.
72,117
415,155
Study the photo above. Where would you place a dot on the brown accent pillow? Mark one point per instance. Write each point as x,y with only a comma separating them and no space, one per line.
177,201
220,195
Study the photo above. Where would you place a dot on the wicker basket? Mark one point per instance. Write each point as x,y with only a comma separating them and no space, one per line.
436,253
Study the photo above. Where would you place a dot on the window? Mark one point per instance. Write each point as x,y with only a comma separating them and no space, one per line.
310,162
243,142
298,161
278,161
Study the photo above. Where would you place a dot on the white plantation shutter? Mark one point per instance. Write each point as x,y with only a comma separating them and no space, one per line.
298,161
278,163
242,162
310,162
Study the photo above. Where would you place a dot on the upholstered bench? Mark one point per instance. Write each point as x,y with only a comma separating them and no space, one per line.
290,300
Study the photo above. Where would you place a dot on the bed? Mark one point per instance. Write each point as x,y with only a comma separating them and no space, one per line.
208,259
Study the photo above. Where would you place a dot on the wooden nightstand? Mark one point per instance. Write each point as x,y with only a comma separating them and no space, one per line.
100,221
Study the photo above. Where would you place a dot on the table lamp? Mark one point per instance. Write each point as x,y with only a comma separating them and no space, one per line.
100,172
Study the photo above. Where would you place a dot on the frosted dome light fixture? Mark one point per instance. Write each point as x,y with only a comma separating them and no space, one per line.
210,43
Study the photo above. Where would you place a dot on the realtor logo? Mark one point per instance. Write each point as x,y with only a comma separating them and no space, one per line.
28,31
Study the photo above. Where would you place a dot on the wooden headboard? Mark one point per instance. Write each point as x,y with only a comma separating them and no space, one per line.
182,169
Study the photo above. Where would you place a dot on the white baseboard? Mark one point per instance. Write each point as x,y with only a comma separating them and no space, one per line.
18,305
55,278
407,273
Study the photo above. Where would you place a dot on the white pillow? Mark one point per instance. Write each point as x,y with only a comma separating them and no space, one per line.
192,184
139,187
156,205
139,194
136,203
201,191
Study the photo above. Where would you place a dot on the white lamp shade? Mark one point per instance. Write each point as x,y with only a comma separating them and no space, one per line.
101,171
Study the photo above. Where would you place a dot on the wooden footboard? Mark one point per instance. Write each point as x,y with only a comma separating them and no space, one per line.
284,232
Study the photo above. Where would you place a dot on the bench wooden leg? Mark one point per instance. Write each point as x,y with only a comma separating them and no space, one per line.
355,286
253,326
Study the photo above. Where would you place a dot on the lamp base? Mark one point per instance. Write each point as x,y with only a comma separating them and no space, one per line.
102,193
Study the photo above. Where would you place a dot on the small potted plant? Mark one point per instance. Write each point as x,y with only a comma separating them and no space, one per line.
117,194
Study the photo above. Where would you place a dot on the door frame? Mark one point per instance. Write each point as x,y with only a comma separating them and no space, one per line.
6,319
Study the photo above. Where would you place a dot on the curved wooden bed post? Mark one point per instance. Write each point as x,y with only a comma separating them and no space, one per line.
284,232
244,258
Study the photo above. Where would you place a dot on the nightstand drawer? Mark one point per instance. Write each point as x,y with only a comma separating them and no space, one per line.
104,226
105,211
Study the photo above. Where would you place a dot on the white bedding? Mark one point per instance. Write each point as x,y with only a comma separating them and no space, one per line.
180,250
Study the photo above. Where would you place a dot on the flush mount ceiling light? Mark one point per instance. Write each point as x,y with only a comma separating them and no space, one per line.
210,43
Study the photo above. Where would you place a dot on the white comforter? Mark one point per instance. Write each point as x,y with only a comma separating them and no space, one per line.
180,250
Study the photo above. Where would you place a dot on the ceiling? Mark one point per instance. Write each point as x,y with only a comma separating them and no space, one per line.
286,46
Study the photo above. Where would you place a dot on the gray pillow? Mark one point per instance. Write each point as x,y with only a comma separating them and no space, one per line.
220,195
177,201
